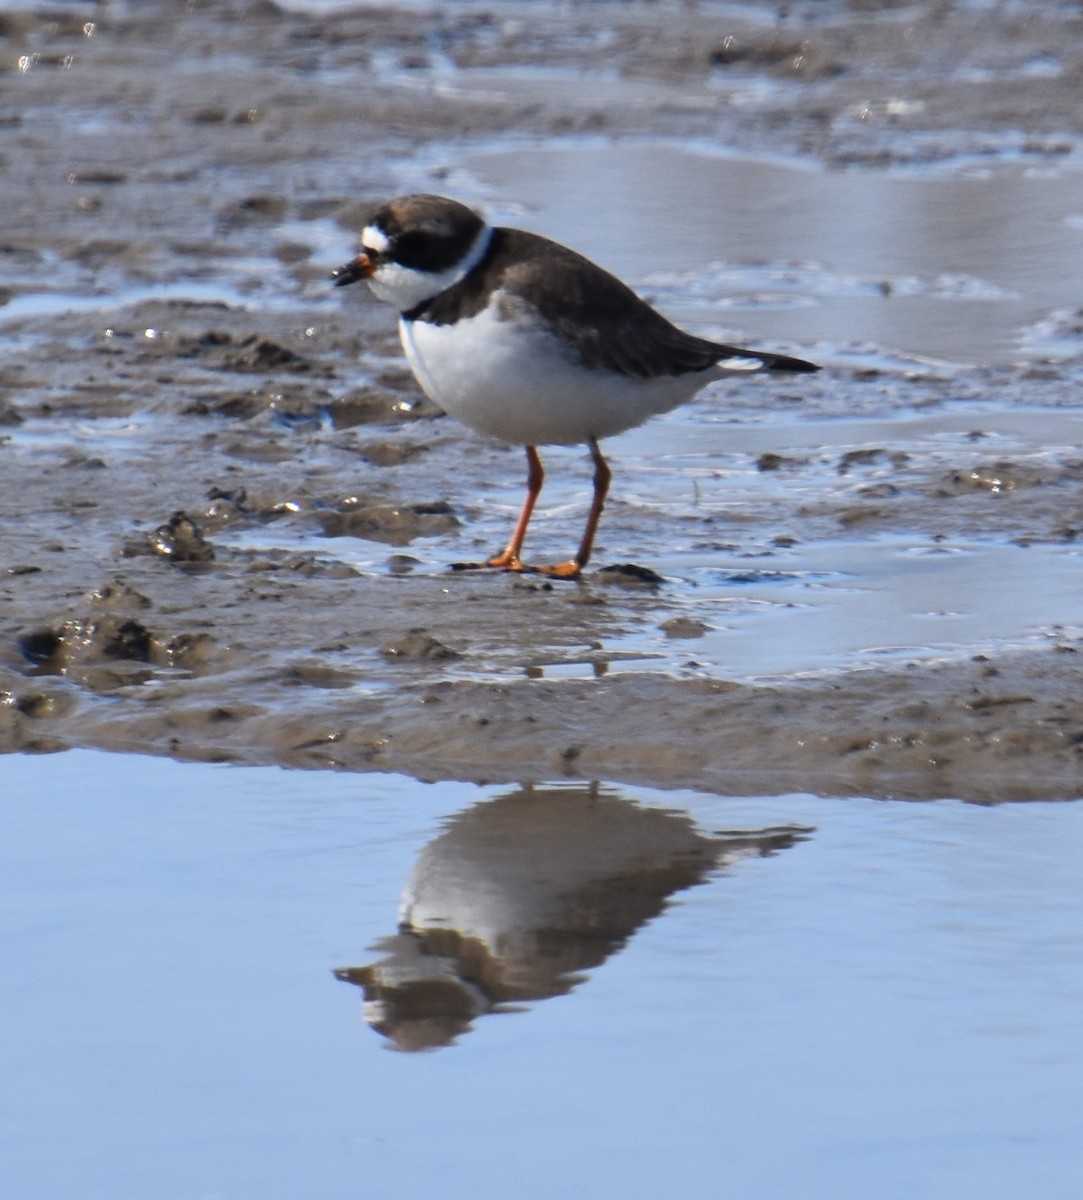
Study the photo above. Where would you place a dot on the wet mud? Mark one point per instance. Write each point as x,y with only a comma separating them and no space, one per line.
228,515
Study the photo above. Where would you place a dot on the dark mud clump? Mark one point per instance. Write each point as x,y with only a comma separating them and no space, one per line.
181,541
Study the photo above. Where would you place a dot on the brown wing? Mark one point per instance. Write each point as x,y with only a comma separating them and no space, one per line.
606,322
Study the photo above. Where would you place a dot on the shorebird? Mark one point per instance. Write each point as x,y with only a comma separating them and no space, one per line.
521,338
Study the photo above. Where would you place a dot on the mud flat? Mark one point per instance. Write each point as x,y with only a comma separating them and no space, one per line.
228,514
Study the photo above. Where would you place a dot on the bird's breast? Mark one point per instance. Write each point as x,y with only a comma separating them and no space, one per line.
506,374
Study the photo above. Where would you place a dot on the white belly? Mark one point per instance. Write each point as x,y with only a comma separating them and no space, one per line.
519,383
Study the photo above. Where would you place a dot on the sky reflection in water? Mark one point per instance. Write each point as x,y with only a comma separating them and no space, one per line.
776,997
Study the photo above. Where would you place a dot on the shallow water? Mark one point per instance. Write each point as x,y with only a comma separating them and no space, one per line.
861,998
816,609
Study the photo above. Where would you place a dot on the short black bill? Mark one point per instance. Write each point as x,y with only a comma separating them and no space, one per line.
349,273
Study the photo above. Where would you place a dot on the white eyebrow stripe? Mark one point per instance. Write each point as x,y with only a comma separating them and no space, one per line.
375,239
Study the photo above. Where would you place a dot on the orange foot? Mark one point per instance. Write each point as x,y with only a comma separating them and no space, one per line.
564,570
509,562
499,562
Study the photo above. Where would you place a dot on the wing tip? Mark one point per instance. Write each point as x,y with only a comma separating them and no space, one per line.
790,365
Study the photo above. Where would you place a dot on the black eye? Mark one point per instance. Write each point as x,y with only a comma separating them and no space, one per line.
371,253
413,249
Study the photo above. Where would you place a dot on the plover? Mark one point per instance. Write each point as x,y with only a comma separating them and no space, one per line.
523,339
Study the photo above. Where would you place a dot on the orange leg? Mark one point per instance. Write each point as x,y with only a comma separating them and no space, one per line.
508,559
602,477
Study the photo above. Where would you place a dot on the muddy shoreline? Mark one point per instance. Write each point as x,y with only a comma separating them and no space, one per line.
181,179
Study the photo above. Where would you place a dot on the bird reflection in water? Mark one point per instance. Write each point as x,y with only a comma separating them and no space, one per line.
524,892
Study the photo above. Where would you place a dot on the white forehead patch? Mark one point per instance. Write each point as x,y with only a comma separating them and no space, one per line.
375,239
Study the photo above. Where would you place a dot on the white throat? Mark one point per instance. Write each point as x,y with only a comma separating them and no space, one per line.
406,287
